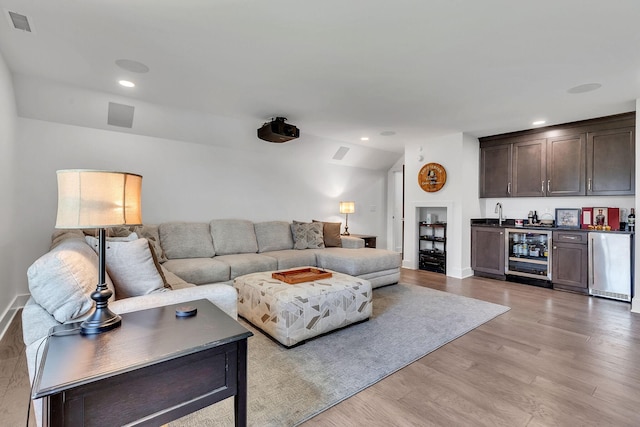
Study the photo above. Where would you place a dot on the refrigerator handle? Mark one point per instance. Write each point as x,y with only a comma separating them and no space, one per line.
590,261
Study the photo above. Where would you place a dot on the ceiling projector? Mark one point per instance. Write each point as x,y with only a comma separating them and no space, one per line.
278,131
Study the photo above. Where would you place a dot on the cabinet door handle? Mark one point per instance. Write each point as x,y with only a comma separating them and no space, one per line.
548,186
542,187
509,188
589,185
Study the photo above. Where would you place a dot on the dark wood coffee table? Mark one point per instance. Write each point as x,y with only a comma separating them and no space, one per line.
153,369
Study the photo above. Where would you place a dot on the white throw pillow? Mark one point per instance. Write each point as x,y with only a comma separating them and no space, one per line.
131,267
62,280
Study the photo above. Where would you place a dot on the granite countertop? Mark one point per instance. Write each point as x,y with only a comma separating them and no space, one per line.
511,223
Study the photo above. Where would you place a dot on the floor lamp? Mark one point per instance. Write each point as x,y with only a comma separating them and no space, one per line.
347,208
99,199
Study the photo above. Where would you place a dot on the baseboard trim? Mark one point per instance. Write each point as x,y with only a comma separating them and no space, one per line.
18,302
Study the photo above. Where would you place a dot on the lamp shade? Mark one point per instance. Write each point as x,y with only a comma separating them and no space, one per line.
347,207
96,199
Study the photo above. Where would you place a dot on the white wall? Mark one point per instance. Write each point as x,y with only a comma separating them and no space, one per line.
9,284
192,182
394,205
458,154
635,302
519,207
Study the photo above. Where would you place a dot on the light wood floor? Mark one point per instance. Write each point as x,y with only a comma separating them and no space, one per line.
555,359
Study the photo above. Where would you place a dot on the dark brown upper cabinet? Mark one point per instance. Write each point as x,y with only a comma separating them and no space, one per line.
611,162
591,157
495,171
529,168
566,165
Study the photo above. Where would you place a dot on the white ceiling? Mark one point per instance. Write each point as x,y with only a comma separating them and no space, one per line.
340,70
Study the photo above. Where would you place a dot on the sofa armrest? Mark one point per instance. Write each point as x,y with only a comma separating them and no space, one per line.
352,242
223,296
36,322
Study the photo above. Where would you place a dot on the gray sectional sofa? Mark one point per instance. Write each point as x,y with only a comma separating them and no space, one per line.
224,249
177,262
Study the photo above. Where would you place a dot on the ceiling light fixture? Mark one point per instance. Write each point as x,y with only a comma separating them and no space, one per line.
131,65
364,138
539,122
387,133
584,88
126,83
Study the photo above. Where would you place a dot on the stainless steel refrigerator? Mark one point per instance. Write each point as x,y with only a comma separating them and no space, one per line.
610,265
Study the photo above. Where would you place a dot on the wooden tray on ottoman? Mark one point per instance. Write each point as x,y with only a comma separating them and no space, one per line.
301,275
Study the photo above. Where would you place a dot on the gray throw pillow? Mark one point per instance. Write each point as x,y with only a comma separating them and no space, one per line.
150,232
307,235
131,266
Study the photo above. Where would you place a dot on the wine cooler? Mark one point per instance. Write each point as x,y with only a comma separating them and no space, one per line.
528,253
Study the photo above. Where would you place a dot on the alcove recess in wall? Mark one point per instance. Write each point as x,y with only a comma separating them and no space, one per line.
432,239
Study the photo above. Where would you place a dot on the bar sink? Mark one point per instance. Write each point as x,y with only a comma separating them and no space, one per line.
494,222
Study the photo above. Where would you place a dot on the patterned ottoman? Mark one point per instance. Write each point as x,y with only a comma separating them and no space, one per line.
294,313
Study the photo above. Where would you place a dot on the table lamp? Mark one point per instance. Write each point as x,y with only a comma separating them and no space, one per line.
99,199
347,208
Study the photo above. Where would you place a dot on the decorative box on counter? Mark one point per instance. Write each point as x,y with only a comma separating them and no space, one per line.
596,216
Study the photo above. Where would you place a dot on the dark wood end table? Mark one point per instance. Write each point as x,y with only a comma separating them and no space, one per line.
153,369
369,240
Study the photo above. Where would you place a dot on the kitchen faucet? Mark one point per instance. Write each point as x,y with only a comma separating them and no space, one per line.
498,210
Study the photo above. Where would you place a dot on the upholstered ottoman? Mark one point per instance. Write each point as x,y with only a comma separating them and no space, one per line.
294,313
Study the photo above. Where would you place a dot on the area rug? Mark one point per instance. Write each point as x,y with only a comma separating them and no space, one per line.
288,386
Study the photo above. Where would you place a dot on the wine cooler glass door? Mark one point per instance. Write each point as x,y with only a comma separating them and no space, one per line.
528,253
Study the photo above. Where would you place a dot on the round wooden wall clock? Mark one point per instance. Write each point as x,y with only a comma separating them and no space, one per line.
432,177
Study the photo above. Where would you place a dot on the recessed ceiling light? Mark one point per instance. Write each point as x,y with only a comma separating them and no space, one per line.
539,122
126,83
387,133
364,138
131,65
585,88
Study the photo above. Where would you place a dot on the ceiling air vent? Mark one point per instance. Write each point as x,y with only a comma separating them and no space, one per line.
342,151
20,22
120,115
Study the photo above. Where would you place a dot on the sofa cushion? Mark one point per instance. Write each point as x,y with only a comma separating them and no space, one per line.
273,236
173,281
331,234
62,280
186,240
241,264
199,271
131,266
233,236
291,258
356,262
307,235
